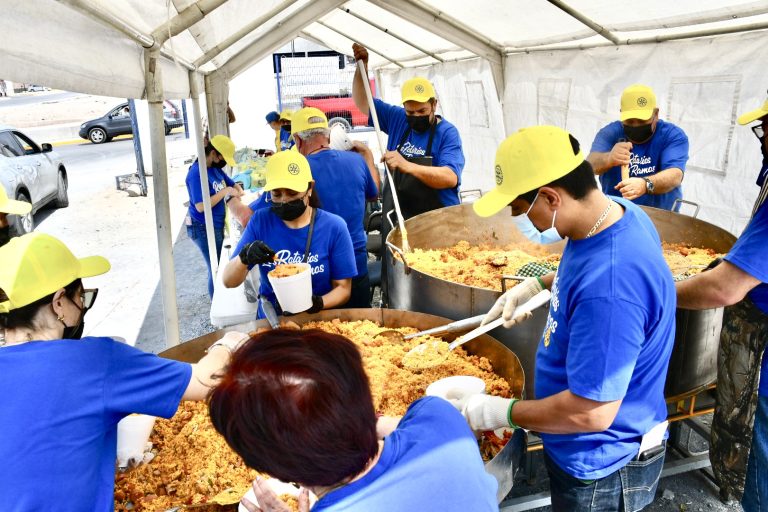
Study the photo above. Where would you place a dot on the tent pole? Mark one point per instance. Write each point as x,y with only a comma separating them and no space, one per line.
154,88
570,11
278,36
213,52
374,50
194,89
389,32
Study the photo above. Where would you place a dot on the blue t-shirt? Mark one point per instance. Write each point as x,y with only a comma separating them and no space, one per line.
749,254
344,184
331,255
286,142
59,414
260,203
217,181
430,462
609,335
446,146
667,148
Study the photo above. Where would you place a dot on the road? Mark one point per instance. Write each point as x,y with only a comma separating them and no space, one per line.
33,98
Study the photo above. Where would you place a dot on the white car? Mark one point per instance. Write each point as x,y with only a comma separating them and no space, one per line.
30,172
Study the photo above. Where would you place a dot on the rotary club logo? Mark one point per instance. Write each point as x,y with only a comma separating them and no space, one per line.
641,102
499,175
419,88
293,169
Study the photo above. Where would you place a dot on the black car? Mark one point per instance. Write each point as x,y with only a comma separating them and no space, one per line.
118,122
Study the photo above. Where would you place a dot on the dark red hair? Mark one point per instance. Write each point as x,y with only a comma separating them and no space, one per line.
297,405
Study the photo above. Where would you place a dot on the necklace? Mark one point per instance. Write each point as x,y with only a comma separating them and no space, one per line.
601,219
317,149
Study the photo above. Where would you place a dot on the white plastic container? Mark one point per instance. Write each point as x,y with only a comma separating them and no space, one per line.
294,293
456,387
132,437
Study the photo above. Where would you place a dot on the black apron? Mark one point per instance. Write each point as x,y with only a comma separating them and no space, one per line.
742,342
414,197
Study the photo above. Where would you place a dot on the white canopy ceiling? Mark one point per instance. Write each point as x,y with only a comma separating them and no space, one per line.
97,46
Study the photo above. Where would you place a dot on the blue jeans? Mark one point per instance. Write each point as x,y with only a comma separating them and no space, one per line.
629,489
196,233
756,488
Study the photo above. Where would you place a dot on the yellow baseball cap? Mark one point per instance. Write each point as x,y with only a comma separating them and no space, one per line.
11,205
418,89
637,102
754,115
226,147
36,265
286,114
525,161
306,119
288,169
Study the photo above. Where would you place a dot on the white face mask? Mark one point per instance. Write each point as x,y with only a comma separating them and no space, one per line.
532,233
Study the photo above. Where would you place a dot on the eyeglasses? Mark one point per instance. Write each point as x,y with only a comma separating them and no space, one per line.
88,297
758,131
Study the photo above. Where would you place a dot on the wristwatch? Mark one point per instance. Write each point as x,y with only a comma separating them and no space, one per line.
648,185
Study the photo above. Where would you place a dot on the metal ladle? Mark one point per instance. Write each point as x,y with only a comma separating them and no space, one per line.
434,353
457,326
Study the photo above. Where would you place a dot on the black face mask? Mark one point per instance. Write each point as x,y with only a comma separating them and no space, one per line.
638,134
76,331
419,124
286,128
291,210
5,235
219,165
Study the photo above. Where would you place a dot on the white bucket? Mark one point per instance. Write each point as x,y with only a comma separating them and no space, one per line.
294,293
132,437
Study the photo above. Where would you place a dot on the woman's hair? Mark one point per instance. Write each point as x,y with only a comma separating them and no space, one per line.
297,405
24,316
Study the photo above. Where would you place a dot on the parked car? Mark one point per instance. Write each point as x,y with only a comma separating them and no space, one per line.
339,109
32,173
118,122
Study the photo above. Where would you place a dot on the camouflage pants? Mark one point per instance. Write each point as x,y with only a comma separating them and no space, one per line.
742,342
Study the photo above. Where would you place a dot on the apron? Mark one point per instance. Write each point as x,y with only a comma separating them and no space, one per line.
742,341
414,196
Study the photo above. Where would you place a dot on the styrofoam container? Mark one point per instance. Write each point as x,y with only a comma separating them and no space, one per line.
132,437
456,387
278,488
294,293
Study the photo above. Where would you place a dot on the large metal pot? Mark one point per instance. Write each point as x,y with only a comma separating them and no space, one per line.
693,362
506,463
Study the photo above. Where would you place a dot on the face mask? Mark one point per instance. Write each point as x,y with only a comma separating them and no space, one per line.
760,177
286,128
290,210
638,134
219,165
76,331
5,235
419,124
532,233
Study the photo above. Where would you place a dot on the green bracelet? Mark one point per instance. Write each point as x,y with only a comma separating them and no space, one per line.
541,283
509,413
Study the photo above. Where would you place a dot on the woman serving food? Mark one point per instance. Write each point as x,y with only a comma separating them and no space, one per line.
64,396
293,233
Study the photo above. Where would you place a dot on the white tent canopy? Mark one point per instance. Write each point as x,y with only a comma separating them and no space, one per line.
497,66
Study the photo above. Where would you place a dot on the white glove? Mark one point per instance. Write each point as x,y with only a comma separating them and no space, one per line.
486,412
133,446
509,301
231,341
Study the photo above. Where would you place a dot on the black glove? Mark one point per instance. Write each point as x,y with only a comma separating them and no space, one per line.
317,305
712,264
256,253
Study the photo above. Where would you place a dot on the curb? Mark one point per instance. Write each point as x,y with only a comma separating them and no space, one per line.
118,137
